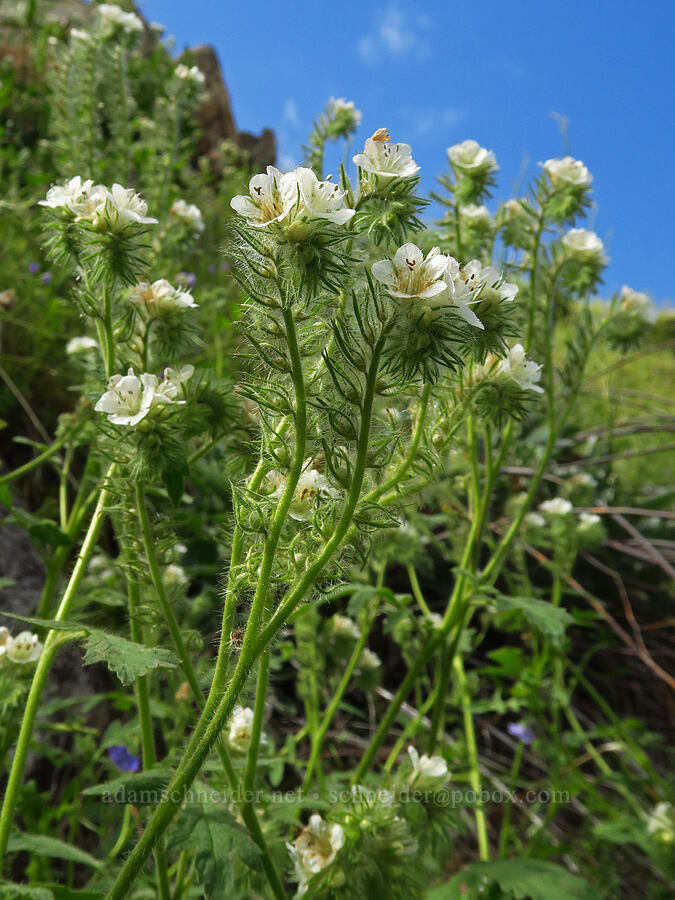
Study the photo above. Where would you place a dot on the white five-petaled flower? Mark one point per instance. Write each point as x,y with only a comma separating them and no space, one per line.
124,206
410,275
81,344
637,302
427,770
314,848
272,197
458,294
188,213
311,485
534,520
69,195
128,398
556,507
588,520
369,661
112,16
190,74
524,371
172,383
568,171
383,157
661,823
344,113
584,243
160,296
470,158
24,648
321,199
343,626
474,213
486,283
241,724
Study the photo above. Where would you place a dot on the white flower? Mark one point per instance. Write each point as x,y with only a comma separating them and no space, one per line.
24,648
534,520
368,661
161,296
637,302
311,485
112,16
69,195
321,199
524,371
124,206
486,283
345,113
272,197
569,171
81,344
458,294
314,848
556,507
343,626
128,398
191,74
474,213
174,575
410,275
588,520
188,213
583,479
241,724
661,823
427,770
382,157
584,243
470,158
78,34
172,383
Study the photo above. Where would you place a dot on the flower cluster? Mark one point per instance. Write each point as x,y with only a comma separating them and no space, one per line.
22,649
312,486
314,849
129,398
160,296
113,19
190,74
565,188
188,214
525,372
111,209
293,197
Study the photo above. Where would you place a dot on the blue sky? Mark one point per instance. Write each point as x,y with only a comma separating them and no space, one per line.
502,73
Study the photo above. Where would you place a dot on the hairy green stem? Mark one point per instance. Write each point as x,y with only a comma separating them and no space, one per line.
474,767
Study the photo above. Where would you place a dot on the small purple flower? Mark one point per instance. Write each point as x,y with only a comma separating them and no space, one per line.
47,278
124,760
212,269
224,266
188,278
520,731
33,268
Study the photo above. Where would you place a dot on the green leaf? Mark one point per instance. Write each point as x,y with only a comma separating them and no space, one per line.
43,845
212,832
549,619
508,662
61,892
624,830
139,788
525,879
127,659
45,623
43,530
5,495
10,891
174,480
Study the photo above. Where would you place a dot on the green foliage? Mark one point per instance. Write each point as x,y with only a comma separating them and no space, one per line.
127,659
519,879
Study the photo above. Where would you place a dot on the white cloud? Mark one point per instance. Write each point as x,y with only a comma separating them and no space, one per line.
291,112
396,35
426,120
